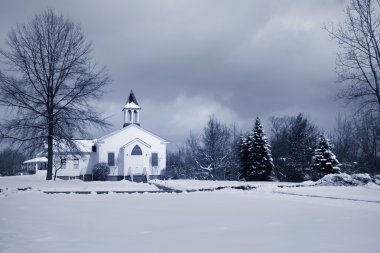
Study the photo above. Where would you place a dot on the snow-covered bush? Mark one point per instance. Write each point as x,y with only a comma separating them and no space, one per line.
341,179
100,172
345,179
361,178
376,179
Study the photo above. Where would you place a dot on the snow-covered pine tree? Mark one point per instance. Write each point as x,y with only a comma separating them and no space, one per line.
262,162
245,170
324,161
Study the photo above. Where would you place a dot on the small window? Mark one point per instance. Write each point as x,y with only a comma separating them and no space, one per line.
111,159
154,159
76,164
63,163
136,150
94,148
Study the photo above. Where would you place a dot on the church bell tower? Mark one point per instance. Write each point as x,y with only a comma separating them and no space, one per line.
131,111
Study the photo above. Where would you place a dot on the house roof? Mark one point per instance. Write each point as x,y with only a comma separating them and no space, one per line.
37,159
81,145
128,127
85,145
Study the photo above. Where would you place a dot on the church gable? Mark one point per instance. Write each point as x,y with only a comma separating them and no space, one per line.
130,130
137,141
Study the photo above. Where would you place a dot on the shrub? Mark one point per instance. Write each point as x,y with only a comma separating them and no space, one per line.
376,179
342,179
100,172
362,178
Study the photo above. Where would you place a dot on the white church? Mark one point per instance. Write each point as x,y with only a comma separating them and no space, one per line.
132,152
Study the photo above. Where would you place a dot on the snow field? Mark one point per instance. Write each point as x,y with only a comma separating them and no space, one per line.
266,219
38,183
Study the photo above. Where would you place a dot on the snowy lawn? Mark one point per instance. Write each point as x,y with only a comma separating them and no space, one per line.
260,220
37,182
369,192
185,184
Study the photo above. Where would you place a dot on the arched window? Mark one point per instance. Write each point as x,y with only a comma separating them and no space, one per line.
136,150
129,116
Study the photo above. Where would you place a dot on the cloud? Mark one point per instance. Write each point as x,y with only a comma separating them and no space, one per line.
176,117
186,60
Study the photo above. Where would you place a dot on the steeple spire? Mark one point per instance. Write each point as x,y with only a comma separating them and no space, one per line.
131,111
132,98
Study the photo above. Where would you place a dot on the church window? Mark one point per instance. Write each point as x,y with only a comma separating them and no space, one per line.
136,150
111,159
94,148
154,159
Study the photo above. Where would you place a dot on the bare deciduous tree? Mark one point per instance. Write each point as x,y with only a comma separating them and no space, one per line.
358,59
368,136
48,84
345,140
212,150
356,140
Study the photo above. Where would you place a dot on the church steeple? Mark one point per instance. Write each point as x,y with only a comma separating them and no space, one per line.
131,111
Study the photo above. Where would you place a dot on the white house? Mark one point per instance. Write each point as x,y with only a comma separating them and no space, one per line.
132,152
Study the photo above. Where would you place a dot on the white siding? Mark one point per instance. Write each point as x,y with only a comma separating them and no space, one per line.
84,167
122,144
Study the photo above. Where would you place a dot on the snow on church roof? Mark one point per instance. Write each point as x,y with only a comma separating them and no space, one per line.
130,126
131,106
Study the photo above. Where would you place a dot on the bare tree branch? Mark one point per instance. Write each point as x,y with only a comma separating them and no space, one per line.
49,81
358,59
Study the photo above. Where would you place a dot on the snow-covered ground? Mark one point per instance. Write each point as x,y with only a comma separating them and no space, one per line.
266,219
37,182
369,192
183,184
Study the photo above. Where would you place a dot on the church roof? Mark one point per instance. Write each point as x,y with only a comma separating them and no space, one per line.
128,127
132,102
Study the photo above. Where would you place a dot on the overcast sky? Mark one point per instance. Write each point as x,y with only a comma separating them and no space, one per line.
187,60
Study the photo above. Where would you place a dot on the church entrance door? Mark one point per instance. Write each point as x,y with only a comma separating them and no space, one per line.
136,161
136,164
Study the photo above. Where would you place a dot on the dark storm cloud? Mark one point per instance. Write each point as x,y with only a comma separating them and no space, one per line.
186,60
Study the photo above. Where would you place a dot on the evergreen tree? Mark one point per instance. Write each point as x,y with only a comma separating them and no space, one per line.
324,161
245,159
261,158
293,141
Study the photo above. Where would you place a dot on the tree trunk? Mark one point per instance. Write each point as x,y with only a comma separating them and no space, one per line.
49,174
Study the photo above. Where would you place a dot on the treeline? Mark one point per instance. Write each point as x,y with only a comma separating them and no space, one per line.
223,152
10,162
